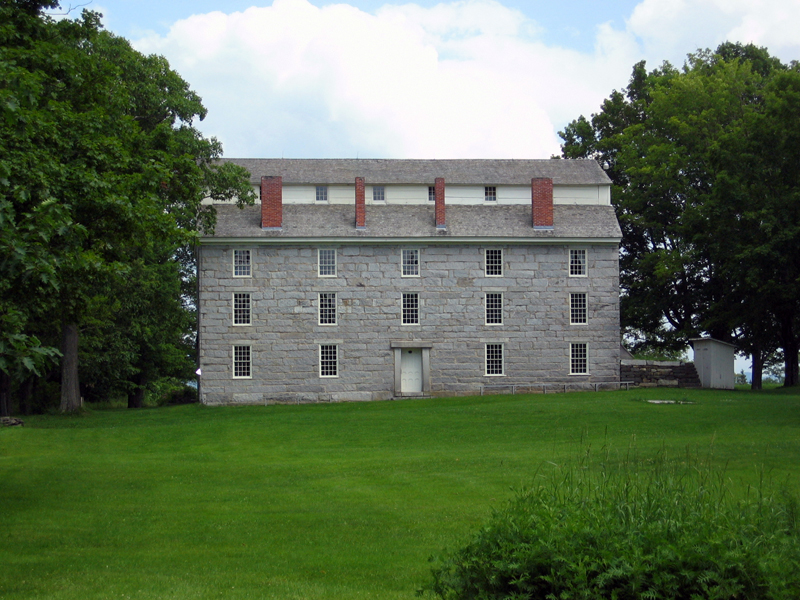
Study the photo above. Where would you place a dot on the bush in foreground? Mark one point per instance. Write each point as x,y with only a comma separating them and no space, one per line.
665,529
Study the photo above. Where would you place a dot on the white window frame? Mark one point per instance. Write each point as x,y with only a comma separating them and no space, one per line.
487,358
575,358
578,307
327,314
240,362
334,253
378,193
486,254
431,193
328,362
495,310
584,264
409,268
490,193
241,264
407,310
240,311
321,193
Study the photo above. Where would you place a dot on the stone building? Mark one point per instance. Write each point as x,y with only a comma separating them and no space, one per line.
376,279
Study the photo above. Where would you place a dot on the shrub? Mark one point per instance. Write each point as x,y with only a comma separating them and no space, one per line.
663,529
184,395
166,391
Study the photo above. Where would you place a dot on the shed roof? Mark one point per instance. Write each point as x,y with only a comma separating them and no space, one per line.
333,171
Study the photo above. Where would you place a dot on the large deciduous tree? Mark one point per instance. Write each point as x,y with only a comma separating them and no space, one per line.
101,182
704,163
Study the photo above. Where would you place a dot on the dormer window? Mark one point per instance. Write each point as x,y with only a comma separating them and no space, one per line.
431,193
322,193
490,193
378,193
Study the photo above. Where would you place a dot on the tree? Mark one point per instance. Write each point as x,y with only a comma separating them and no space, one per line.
102,179
704,178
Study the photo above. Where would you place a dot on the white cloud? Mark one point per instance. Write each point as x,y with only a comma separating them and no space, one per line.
464,79
669,29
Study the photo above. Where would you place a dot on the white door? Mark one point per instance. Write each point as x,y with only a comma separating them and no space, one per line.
411,371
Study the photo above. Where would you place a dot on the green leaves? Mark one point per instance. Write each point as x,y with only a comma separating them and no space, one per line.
101,182
21,354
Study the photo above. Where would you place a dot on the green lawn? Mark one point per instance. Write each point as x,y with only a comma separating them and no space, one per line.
324,501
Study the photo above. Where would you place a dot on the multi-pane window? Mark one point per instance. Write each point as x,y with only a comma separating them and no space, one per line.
490,193
431,193
410,308
327,262
241,263
327,308
241,309
241,362
494,359
494,308
578,363
328,360
378,193
494,263
577,262
410,263
322,193
577,308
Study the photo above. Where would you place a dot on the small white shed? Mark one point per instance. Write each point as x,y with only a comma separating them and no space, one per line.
714,361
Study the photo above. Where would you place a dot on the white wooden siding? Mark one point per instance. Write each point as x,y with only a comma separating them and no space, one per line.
521,194
582,194
454,194
307,194
402,194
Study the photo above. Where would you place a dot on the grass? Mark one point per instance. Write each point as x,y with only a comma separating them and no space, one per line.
324,501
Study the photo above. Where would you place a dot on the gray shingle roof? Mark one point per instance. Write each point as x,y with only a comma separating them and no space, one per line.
394,171
417,221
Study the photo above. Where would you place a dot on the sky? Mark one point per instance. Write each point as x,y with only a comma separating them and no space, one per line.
451,79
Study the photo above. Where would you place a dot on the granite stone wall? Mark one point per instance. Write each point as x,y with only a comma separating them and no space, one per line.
659,373
285,334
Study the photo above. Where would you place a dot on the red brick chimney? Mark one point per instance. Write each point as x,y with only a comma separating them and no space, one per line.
271,202
542,202
439,208
361,210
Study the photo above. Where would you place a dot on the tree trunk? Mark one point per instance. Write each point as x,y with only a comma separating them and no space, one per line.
136,396
70,388
5,394
758,368
790,355
26,395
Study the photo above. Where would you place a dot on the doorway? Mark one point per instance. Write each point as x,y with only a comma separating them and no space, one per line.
411,371
412,367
